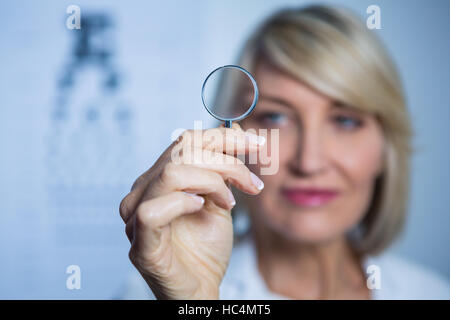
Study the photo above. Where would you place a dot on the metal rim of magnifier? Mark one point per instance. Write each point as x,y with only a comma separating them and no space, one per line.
242,116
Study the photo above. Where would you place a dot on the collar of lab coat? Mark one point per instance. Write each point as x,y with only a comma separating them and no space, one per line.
243,280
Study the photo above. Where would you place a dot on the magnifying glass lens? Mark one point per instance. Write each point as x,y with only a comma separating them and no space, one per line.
229,93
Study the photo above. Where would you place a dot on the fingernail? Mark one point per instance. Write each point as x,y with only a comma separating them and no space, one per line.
231,197
254,139
197,198
257,181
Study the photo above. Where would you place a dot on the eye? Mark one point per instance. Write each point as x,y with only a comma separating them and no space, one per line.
347,122
272,118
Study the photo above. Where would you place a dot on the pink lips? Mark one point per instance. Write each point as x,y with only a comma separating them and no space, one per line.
309,197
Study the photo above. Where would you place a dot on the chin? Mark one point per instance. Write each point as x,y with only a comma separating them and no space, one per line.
308,226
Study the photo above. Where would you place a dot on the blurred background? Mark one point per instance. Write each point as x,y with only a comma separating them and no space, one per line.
84,112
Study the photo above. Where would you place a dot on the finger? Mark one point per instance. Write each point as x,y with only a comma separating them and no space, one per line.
230,168
179,177
152,215
223,140
129,229
131,200
129,204
234,125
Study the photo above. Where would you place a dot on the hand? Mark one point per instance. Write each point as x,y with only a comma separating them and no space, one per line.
177,214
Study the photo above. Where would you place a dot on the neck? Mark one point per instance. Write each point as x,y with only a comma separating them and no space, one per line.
323,270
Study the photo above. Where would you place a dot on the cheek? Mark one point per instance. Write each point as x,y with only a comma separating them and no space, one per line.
356,160
359,158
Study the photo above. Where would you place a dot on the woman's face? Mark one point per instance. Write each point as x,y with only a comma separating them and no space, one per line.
329,157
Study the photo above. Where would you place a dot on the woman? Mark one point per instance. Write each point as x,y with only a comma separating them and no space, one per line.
337,200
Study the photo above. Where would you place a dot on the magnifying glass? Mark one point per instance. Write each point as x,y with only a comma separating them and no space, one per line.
229,93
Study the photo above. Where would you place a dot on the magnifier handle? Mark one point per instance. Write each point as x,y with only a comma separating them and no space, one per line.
228,124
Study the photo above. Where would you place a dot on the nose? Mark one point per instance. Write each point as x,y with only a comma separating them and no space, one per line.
310,156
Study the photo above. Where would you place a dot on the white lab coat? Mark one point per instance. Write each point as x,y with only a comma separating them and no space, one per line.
399,279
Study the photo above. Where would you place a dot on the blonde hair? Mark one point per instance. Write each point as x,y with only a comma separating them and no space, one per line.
332,51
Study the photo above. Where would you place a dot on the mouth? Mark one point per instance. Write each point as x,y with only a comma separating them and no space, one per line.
308,197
